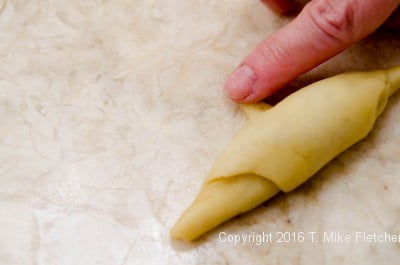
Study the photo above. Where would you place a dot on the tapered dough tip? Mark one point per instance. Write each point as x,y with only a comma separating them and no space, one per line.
220,200
252,110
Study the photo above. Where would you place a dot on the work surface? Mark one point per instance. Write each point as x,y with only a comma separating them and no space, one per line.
112,113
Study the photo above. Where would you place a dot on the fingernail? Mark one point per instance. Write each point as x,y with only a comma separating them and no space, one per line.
240,83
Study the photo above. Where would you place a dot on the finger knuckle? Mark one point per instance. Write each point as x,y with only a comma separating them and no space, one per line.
335,20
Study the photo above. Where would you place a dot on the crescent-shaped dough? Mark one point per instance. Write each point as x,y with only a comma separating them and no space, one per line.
281,147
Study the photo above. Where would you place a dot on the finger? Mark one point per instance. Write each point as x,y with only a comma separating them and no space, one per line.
279,6
323,29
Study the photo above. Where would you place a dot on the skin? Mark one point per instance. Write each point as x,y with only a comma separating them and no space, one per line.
323,29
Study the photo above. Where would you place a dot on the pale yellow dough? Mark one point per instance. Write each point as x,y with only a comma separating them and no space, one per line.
281,147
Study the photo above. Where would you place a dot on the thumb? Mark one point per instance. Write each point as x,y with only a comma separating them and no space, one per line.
323,29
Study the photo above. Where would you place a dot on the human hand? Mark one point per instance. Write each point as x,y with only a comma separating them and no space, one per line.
323,29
